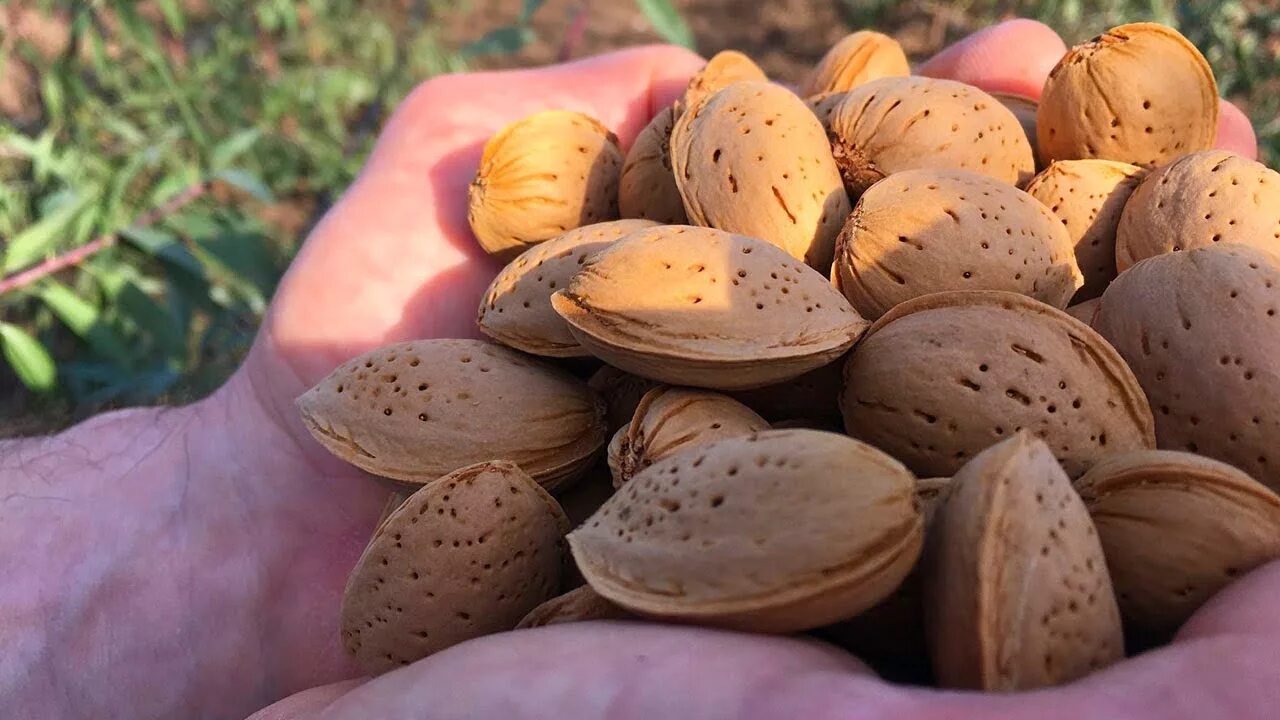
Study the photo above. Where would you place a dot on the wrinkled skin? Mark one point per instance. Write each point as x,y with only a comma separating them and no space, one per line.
189,562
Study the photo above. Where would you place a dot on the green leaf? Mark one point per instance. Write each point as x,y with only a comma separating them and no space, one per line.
39,239
528,9
229,150
28,358
85,320
244,255
172,15
163,245
502,41
666,20
149,317
246,181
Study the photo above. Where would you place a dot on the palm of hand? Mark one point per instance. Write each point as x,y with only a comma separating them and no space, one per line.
394,260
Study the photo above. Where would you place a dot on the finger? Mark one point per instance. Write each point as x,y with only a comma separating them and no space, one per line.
1235,132
1012,57
308,703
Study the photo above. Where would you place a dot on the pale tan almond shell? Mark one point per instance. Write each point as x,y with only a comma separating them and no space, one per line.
822,105
776,532
542,176
1140,94
647,189
722,70
941,377
753,159
1176,529
1088,197
896,124
463,557
417,410
1025,109
857,59
1016,585
670,419
1085,311
705,308
516,309
814,397
621,392
1201,330
582,604
925,231
1199,200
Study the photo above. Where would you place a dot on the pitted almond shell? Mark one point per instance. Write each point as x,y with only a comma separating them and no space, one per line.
1176,529
516,310
722,70
582,604
1199,329
648,189
670,419
540,177
753,159
858,58
941,377
417,410
813,397
1140,94
896,124
1085,311
1088,197
621,392
1025,109
1017,594
776,532
925,231
1202,199
464,557
705,308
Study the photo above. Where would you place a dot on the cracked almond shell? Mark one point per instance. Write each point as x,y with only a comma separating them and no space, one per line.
857,59
941,377
670,419
464,557
1088,197
776,532
1201,330
1016,585
753,159
647,188
415,411
722,70
896,124
540,177
705,308
516,309
925,231
1177,528
582,604
1140,94
1202,199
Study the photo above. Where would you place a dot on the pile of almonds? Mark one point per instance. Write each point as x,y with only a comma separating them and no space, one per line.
855,368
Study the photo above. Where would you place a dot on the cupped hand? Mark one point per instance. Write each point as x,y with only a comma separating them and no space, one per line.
394,259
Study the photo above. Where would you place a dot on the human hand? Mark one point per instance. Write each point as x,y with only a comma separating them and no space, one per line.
624,670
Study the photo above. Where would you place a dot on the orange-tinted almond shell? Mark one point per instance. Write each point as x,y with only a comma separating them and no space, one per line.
722,70
858,58
648,189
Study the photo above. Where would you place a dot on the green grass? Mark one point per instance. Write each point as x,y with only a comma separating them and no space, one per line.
267,108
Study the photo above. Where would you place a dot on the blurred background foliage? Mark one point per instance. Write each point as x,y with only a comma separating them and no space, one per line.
161,160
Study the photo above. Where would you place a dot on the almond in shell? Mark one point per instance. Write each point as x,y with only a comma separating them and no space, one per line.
582,604
722,70
705,308
1201,330
1025,109
1199,200
415,411
940,378
896,124
621,392
1016,585
1176,529
541,176
464,557
753,159
925,231
647,188
776,532
670,419
1088,197
1139,93
857,59
516,309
